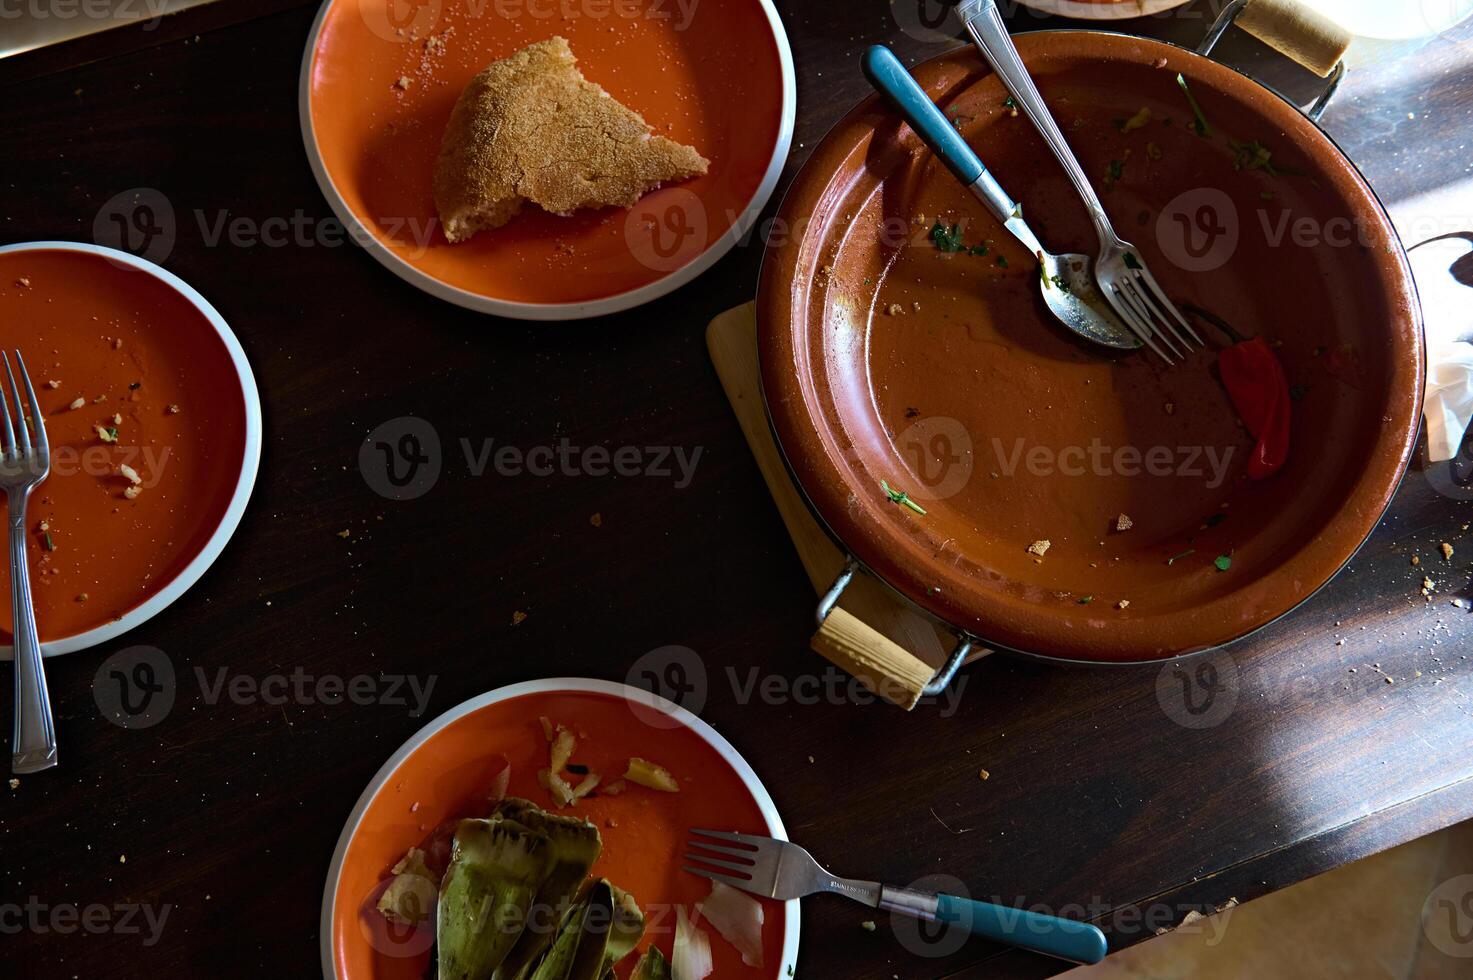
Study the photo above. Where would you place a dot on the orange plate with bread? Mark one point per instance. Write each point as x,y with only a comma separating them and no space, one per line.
890,361
136,373
442,772
378,86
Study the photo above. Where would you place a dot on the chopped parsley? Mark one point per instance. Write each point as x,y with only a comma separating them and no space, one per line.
50,545
1252,156
1203,127
1117,170
1137,121
902,498
951,240
1297,392
947,239
1185,554
1086,600
1223,563
1002,260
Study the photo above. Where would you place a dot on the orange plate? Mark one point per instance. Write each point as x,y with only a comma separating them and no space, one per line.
129,340
717,75
440,773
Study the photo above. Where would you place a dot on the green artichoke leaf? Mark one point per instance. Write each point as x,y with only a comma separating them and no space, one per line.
496,867
651,966
602,929
573,845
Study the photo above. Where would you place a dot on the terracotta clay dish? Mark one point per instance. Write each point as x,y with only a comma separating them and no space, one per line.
380,78
889,362
443,773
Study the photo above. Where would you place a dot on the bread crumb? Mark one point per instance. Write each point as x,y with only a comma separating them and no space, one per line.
23,282
895,309
53,385
1170,408
132,493
106,435
984,775
14,783
403,82
82,597
1123,604
517,617
172,410
77,403
1447,551
597,520
117,343
129,472
1124,523
1416,561
1040,547
345,533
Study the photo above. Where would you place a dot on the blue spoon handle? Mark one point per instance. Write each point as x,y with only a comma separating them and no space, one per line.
1078,942
905,95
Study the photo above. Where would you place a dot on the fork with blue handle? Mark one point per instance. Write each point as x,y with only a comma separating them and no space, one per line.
783,870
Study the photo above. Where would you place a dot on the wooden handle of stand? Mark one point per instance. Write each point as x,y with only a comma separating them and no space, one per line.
1294,30
876,661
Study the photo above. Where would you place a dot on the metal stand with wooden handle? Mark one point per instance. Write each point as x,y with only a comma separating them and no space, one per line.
881,640
1295,31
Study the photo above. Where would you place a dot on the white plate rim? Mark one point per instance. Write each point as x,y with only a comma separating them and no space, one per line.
1102,11
518,310
249,464
555,685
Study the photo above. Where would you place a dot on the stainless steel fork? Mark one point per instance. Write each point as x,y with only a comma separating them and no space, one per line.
23,465
783,870
1124,279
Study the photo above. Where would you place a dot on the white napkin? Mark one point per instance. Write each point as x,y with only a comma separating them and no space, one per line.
1444,272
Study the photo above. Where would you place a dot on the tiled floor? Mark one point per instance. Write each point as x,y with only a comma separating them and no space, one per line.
1405,914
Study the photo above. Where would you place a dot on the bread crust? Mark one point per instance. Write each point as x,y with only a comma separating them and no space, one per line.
530,127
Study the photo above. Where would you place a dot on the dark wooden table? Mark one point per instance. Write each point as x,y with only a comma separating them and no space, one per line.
1112,793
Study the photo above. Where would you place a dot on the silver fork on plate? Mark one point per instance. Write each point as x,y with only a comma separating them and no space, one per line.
1122,274
782,870
22,467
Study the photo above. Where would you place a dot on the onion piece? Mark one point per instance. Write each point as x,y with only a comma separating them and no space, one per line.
738,917
691,957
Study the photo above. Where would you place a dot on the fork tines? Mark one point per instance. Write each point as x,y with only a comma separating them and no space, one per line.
1149,309
28,411
740,862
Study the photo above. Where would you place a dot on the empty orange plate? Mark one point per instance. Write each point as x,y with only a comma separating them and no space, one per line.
132,368
380,78
443,771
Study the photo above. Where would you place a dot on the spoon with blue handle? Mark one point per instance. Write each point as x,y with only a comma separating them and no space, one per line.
1067,281
782,870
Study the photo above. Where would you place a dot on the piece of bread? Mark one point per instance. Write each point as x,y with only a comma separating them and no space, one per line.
531,128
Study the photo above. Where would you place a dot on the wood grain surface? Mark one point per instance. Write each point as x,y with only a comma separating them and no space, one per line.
1132,796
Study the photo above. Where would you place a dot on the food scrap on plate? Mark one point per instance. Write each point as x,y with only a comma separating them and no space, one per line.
531,128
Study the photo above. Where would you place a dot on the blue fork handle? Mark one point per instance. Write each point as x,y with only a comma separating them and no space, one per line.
1078,942
905,96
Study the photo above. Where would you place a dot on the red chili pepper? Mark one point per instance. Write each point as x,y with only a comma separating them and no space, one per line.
1255,381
